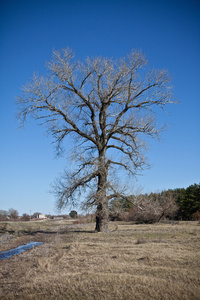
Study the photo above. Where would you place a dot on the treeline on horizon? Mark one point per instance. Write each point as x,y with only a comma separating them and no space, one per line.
13,215
173,204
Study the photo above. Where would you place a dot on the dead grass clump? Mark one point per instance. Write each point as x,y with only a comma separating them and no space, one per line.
140,241
45,263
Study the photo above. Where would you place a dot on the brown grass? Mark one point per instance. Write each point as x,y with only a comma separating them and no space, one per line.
160,261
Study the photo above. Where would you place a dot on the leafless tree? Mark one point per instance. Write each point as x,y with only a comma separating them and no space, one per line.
3,215
13,214
107,106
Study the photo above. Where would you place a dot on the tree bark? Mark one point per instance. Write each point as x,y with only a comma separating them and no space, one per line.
102,218
102,213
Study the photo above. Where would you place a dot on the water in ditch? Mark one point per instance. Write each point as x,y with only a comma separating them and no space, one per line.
15,251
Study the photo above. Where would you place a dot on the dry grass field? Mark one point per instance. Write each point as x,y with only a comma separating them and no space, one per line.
159,261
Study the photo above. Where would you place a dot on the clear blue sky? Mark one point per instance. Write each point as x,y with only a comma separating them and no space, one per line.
168,32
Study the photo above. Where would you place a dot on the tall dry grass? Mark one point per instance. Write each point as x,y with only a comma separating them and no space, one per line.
159,261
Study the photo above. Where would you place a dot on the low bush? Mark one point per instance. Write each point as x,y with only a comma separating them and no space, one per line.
196,216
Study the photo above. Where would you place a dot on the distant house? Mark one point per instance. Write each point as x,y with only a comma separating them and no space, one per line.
39,216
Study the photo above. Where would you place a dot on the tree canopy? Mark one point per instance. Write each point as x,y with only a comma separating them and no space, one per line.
108,107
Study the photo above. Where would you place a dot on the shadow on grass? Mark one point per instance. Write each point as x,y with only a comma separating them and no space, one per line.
43,231
83,231
31,232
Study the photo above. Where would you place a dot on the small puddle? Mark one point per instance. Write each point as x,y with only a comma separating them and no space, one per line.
15,251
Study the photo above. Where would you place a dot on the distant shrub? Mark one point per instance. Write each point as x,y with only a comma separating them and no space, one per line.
25,217
196,216
76,222
89,218
73,214
139,216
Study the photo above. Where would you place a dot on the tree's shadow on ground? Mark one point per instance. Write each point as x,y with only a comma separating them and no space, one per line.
83,231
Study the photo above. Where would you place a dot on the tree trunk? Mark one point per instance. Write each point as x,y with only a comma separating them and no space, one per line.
102,213
102,218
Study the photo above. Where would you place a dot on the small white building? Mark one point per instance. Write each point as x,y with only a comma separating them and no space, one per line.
39,216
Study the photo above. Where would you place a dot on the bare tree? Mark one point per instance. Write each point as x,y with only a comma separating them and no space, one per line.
3,215
107,106
13,214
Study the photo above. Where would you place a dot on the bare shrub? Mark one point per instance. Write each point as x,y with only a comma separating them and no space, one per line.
89,218
196,216
153,208
140,241
76,222
25,217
